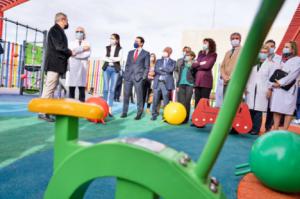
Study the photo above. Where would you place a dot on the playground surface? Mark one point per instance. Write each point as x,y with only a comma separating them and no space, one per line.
26,146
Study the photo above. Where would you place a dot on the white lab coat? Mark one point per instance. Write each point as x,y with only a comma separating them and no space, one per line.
78,65
283,101
258,84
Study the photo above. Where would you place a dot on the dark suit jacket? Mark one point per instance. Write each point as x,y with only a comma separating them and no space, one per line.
189,76
203,66
166,71
138,70
57,53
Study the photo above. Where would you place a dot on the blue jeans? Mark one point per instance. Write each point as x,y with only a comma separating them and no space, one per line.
110,77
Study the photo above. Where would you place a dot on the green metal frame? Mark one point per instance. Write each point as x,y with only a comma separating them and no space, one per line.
145,169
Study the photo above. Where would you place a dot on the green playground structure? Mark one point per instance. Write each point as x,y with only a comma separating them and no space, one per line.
146,169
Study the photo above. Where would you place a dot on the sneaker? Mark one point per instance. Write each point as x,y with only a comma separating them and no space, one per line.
46,117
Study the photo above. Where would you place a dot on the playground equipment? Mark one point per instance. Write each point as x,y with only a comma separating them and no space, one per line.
146,169
22,60
275,161
101,103
205,114
174,113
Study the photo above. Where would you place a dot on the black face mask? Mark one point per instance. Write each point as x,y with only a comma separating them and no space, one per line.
66,26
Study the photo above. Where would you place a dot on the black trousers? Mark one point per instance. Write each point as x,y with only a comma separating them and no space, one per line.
269,119
256,117
185,94
118,89
146,92
201,92
81,93
138,86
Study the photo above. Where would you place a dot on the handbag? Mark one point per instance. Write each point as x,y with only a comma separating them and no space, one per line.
279,74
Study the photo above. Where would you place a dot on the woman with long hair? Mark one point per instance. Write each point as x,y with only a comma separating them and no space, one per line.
111,69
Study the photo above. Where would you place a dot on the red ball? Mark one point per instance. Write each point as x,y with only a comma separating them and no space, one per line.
103,104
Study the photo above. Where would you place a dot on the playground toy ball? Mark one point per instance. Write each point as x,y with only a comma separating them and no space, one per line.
174,113
275,161
103,104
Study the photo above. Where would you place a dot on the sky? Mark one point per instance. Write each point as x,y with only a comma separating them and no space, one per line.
160,22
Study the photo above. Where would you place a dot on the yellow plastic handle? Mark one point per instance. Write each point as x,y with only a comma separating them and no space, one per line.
67,107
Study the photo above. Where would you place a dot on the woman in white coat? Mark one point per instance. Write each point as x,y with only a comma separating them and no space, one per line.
257,90
78,64
284,101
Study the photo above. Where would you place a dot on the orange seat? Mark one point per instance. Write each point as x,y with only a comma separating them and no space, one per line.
251,188
67,107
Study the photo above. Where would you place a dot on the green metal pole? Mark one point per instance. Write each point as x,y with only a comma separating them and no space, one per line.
260,27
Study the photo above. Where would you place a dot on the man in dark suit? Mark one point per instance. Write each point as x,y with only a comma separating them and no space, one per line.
163,80
136,71
56,59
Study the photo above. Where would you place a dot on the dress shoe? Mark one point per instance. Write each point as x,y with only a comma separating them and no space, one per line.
124,115
153,118
138,117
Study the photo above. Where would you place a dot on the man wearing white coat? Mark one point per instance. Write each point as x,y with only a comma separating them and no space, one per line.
78,64
257,90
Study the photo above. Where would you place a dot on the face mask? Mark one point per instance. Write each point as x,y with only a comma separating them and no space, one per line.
262,56
286,51
205,47
187,58
135,45
165,54
66,26
79,35
113,42
235,42
271,50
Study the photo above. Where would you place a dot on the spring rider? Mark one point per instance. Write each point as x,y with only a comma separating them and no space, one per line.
146,169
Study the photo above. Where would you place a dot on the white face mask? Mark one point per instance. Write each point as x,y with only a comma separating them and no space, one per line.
235,42
205,47
165,54
79,35
113,41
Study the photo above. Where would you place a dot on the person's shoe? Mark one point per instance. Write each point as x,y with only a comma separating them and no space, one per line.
253,133
110,115
124,115
148,111
46,117
138,116
153,118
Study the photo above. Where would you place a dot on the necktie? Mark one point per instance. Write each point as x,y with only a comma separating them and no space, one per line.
136,54
232,51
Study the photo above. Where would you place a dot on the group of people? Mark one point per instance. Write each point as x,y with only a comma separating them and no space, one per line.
165,79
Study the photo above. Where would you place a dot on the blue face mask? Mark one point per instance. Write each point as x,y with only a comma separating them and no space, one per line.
135,45
262,56
272,50
286,51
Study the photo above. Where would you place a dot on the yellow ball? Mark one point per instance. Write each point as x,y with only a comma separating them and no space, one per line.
174,113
